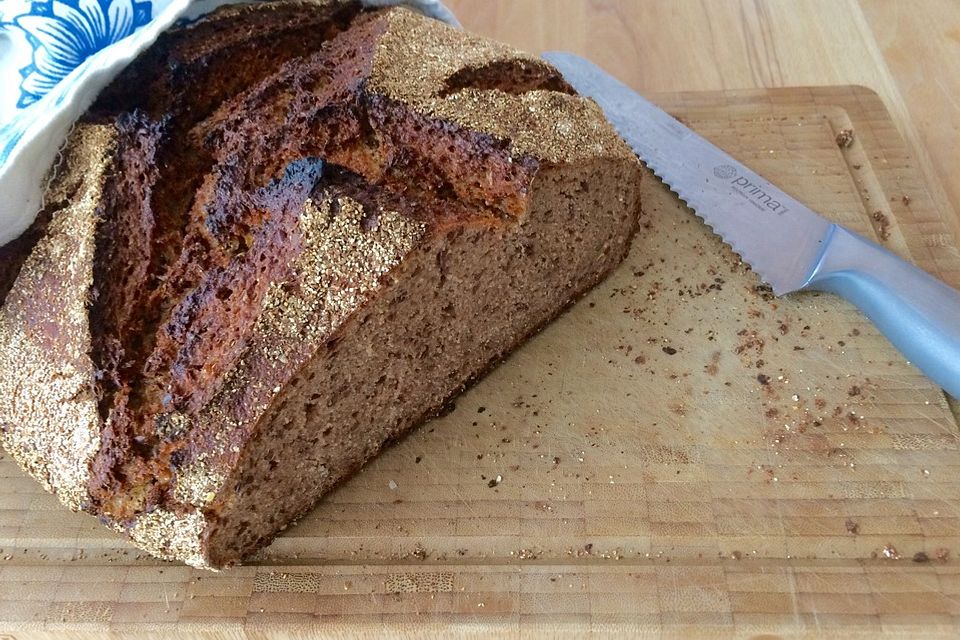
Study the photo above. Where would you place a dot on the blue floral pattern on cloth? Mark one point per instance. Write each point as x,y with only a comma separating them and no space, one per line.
64,33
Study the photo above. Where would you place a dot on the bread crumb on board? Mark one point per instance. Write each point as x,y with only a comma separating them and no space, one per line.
845,138
883,225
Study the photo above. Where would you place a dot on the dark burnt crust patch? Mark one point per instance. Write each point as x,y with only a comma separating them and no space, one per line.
216,57
205,333
221,55
322,106
123,247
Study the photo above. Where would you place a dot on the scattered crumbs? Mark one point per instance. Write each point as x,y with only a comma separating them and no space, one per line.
750,341
883,222
495,481
855,390
845,138
853,527
447,409
920,556
419,552
712,368
669,351
890,552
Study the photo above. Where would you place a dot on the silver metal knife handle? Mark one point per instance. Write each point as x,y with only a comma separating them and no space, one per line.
919,314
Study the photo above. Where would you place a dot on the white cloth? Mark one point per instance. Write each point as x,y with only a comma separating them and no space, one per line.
55,57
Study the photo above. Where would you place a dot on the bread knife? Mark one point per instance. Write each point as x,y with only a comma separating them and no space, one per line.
789,246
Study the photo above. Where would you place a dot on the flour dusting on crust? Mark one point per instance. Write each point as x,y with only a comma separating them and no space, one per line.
48,409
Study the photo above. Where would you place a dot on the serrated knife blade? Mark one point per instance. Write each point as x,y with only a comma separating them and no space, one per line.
778,236
787,245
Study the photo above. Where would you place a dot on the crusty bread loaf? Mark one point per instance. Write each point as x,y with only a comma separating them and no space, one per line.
286,235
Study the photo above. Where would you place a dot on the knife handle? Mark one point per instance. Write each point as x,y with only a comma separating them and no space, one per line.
919,314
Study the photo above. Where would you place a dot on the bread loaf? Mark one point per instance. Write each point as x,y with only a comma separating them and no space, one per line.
286,235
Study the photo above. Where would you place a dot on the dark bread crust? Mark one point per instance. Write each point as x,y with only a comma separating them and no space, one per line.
216,58
257,230
219,56
15,253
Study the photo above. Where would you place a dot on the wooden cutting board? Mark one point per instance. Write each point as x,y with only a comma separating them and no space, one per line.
681,454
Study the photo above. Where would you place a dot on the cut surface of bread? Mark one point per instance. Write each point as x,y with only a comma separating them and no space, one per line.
299,243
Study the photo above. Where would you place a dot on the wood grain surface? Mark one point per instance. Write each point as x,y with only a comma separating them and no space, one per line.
908,51
679,455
